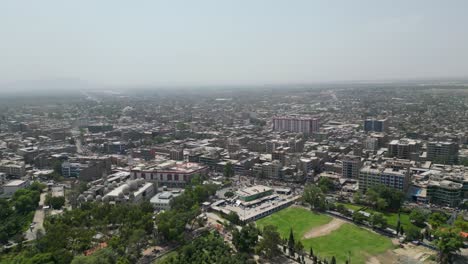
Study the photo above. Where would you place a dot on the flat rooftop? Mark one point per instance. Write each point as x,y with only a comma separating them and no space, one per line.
248,213
164,197
14,183
253,190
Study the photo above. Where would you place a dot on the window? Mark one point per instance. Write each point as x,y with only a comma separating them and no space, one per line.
169,177
176,177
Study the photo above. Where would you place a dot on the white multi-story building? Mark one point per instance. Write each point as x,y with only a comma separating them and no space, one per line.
390,175
12,168
298,124
371,143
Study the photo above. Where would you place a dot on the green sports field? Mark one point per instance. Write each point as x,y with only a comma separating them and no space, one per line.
299,219
348,240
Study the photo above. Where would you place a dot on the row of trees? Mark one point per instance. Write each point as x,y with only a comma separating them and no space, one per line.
419,217
17,213
382,198
208,248
125,227
55,202
171,223
246,241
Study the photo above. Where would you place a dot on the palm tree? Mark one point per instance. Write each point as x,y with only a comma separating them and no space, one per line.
291,242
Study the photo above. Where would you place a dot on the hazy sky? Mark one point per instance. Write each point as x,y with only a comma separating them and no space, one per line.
232,42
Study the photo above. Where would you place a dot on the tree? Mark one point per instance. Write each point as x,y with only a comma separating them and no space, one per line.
398,225
358,217
208,248
378,220
314,196
299,247
381,204
437,219
461,223
418,217
228,194
376,196
57,167
326,185
291,242
448,242
357,198
55,202
333,260
246,239
268,246
228,170
37,186
413,233
233,217
343,210
311,252
104,256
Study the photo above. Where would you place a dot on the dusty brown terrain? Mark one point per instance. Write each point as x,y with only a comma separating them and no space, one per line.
324,229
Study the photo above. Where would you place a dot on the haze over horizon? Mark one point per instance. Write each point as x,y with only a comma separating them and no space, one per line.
119,43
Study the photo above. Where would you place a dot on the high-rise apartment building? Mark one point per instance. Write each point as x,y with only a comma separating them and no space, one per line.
376,125
298,124
442,152
351,167
371,143
403,148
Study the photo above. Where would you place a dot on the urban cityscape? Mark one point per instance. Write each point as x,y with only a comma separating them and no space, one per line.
234,132
339,163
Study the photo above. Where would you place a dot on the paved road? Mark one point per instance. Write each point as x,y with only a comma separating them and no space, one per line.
38,220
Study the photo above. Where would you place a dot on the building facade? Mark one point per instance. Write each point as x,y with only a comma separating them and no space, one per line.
170,174
306,125
442,152
351,165
397,178
403,148
376,125
445,192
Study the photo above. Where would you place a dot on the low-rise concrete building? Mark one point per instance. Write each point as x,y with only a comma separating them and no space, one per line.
11,187
162,201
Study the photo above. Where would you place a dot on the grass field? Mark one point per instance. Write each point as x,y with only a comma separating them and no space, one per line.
353,207
299,219
392,218
360,243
